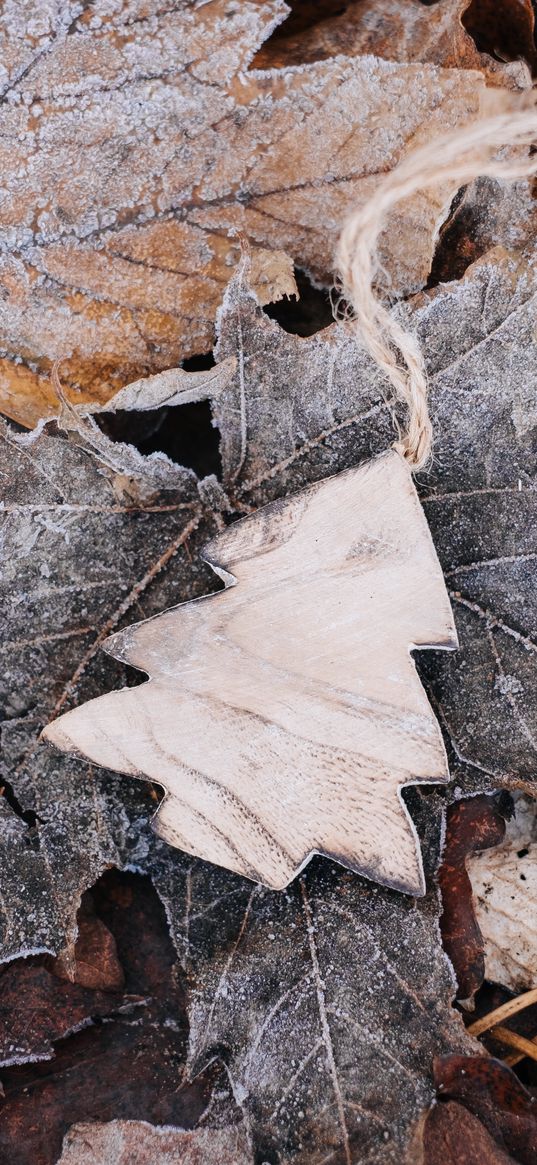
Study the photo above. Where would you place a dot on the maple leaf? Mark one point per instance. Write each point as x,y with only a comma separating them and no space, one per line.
325,1029
135,141
79,564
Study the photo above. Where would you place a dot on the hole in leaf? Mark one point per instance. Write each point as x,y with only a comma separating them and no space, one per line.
304,316
304,14
459,243
501,29
185,433
289,43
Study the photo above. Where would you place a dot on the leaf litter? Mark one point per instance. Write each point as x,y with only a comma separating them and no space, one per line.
295,968
504,884
134,147
96,538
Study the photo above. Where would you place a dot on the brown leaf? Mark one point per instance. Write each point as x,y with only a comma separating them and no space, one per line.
453,1136
468,34
130,1065
504,886
129,1142
472,826
38,1008
133,147
271,276
489,1090
93,961
486,214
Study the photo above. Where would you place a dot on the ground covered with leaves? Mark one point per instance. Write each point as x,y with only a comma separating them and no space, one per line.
153,1007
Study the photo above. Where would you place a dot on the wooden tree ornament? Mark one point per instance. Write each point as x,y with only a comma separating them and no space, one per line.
283,714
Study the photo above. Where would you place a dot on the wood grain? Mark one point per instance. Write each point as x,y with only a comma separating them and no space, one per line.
284,714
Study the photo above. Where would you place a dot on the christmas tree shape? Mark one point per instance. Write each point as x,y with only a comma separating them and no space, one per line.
283,714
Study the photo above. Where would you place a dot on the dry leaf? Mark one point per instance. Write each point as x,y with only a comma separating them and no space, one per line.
172,387
492,1092
80,565
134,145
138,1143
445,33
329,998
454,1136
93,960
486,214
272,276
115,1054
472,825
504,884
39,1007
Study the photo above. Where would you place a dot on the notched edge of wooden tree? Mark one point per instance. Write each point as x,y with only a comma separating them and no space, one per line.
227,551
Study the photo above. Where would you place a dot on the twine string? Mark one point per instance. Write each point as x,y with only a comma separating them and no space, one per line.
457,157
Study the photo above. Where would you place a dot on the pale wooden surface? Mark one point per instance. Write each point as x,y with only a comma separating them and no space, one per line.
284,714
